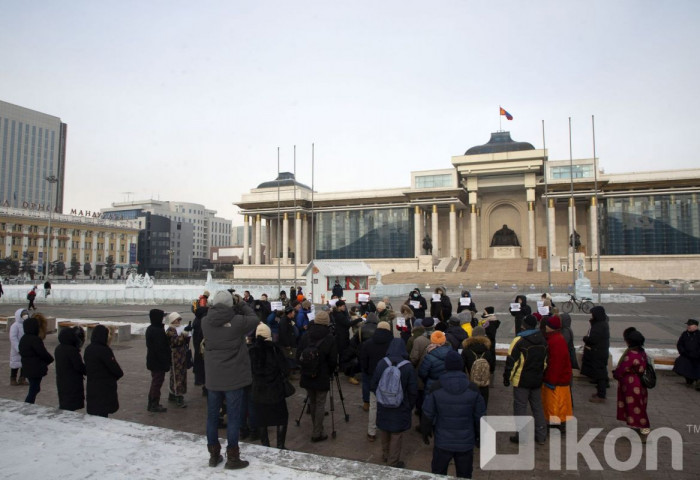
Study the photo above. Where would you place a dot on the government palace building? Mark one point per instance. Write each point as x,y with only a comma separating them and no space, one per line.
504,199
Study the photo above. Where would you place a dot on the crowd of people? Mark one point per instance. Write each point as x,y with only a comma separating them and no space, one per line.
424,358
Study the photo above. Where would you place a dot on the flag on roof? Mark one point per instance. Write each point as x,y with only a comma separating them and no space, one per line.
508,115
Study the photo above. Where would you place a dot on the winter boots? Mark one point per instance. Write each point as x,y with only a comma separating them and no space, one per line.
155,406
281,436
233,459
215,456
180,401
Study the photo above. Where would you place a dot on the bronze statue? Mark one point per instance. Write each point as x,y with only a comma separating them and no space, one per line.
505,237
427,245
575,241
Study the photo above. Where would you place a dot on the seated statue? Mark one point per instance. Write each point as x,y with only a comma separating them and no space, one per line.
505,237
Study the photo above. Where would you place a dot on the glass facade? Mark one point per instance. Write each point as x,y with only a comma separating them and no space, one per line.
370,233
650,225
434,181
580,171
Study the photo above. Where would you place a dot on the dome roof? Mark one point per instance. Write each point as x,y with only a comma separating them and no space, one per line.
284,179
500,142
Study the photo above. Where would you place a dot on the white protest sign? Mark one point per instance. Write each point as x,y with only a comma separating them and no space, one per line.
465,301
514,307
436,297
543,310
276,306
363,297
400,322
415,303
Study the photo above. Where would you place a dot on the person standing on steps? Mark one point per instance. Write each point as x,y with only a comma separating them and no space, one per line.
158,359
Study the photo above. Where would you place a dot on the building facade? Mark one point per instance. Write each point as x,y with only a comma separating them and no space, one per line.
504,199
32,149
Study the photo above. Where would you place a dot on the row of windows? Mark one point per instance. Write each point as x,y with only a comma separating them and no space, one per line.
579,171
434,181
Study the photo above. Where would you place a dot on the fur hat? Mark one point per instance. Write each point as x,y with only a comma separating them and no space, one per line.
437,338
172,316
384,326
381,306
322,318
263,331
478,331
222,298
453,361
418,323
428,322
553,322
530,321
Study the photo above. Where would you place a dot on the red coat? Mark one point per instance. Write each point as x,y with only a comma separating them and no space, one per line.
558,370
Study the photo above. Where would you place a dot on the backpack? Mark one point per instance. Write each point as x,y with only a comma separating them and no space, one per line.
389,390
310,359
480,374
31,295
648,378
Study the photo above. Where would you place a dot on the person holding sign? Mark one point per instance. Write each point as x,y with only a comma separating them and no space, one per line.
519,309
366,304
416,302
404,323
466,303
441,307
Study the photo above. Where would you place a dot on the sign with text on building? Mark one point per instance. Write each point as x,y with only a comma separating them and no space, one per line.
132,253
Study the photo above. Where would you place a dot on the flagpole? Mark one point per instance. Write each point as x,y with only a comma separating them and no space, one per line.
597,216
546,206
278,233
313,236
500,128
296,247
573,212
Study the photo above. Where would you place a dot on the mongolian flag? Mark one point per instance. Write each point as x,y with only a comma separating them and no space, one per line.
508,115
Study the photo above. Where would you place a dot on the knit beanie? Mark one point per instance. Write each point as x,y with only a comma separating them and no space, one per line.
222,299
428,322
437,338
322,318
530,321
172,316
454,320
263,331
553,322
453,361
384,326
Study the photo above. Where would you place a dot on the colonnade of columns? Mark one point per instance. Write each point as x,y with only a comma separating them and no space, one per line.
292,250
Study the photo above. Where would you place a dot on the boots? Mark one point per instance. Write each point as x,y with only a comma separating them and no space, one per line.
264,438
281,436
13,382
215,456
233,459
154,406
172,397
22,381
180,401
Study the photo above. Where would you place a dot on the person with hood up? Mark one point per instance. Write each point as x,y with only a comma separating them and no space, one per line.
417,303
632,395
455,334
16,332
441,307
337,289
371,352
197,337
267,393
179,341
596,352
556,385
31,296
408,322
474,348
521,313
491,324
103,371
158,358
346,353
466,305
419,346
393,421
525,365
568,335
227,364
35,358
453,411
687,364
70,369
284,298
288,337
433,364
318,383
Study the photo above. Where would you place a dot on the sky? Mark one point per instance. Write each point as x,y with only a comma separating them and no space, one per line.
189,101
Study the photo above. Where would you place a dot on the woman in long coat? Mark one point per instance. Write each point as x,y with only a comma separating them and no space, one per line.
179,344
197,337
16,332
596,351
103,371
70,369
687,364
35,357
632,396
269,366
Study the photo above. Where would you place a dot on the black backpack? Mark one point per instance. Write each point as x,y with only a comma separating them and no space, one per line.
310,359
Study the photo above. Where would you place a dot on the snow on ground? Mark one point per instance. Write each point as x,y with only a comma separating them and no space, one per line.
47,443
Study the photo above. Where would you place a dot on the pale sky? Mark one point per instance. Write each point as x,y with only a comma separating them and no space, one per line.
189,101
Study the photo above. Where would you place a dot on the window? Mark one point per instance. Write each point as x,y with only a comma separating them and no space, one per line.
434,181
580,171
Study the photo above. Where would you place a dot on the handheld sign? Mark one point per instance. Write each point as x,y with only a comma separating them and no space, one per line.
363,297
400,322
543,310
277,305
465,301
332,302
515,307
311,315
540,303
436,297
415,303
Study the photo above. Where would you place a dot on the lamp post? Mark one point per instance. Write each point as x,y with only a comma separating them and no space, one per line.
51,179
170,263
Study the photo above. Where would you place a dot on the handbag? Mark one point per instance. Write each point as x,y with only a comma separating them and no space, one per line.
648,378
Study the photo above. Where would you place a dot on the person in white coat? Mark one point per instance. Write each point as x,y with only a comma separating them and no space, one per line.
16,333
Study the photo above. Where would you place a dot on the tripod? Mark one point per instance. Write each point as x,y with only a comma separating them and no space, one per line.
342,403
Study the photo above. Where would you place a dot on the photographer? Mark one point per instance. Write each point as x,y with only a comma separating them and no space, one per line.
262,307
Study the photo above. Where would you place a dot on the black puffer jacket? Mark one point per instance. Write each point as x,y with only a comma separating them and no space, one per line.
319,334
269,368
70,371
596,346
524,311
103,371
158,358
35,358
374,349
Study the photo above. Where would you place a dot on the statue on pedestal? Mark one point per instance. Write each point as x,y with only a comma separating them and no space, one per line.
505,237
427,245
575,241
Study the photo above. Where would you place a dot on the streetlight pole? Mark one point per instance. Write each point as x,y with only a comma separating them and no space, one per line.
51,179
170,263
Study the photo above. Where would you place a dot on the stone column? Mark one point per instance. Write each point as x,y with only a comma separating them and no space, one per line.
453,232
436,243
572,227
473,228
69,248
117,249
246,246
105,250
417,239
25,240
285,238
305,239
258,240
297,238
93,254
274,244
551,228
8,239
694,217
531,228
593,227
268,242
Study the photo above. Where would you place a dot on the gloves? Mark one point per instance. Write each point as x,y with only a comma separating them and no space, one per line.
188,328
506,382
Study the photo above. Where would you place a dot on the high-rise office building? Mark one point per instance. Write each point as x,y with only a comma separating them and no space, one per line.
32,149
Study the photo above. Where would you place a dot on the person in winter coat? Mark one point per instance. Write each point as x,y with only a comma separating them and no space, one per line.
596,352
270,370
288,334
491,324
393,421
364,333
35,357
416,302
632,395
70,369
158,358
318,383
518,315
473,348
302,319
408,320
386,314
466,305
525,365
371,352
441,308
417,352
337,290
568,335
262,307
31,296
347,356
227,363
16,332
284,298
179,341
197,337
556,384
103,371
455,334
367,307
687,364
433,364
417,331
452,411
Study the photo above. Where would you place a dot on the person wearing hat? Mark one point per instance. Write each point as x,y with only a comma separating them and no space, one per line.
267,394
228,369
455,334
283,298
568,335
102,374
525,365
318,383
433,364
179,338
452,412
367,307
596,352
371,352
346,353
416,302
491,323
441,307
158,358
632,395
521,312
385,313
463,305
474,348
556,386
302,319
687,364
408,322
